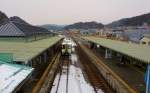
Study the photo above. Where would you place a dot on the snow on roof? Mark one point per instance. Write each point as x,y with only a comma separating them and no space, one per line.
11,76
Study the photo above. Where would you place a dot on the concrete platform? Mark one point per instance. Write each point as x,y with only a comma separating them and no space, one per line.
133,77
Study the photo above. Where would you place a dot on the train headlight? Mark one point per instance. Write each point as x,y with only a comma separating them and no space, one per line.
98,46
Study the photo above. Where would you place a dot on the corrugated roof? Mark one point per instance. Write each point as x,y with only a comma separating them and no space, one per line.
140,52
25,51
135,35
11,76
19,29
29,30
10,29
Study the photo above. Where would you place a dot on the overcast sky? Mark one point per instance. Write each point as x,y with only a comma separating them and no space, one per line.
69,11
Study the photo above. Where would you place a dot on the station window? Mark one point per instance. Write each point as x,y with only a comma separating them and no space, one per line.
143,42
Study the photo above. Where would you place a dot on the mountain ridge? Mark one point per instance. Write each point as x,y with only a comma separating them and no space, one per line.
132,21
85,25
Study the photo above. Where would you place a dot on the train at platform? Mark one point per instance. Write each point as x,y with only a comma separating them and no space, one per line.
67,47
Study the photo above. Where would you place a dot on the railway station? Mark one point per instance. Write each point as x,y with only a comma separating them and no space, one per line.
36,60
74,65
68,64
75,46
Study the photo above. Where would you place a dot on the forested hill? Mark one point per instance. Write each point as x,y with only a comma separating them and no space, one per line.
133,21
3,18
53,27
18,20
85,25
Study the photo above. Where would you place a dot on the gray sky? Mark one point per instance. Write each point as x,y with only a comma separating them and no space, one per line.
69,11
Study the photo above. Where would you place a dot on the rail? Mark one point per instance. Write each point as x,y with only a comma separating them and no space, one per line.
50,70
96,80
64,67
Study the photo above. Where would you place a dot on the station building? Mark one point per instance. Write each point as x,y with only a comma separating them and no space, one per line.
28,45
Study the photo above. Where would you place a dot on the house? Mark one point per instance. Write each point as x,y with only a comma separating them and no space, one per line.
135,35
88,32
145,40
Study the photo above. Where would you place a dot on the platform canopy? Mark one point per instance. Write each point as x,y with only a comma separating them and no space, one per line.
13,76
25,51
139,52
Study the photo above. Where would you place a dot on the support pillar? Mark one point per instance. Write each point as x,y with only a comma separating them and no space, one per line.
40,59
45,57
108,53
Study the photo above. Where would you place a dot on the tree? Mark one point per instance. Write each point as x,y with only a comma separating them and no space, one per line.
3,18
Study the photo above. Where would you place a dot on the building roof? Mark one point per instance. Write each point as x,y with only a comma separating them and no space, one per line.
139,52
25,51
19,29
135,35
11,76
147,35
146,38
9,29
30,30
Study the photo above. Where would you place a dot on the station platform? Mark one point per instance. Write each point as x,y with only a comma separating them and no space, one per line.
131,75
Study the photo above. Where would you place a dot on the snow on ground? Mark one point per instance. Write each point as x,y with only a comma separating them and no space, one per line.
73,58
76,78
55,84
62,84
76,81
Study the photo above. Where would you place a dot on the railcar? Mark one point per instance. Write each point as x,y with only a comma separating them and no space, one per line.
66,47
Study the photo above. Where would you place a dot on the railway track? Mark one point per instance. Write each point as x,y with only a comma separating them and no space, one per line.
118,85
94,77
63,76
45,82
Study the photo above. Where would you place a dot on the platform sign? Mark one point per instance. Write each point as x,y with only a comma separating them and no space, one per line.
6,57
147,79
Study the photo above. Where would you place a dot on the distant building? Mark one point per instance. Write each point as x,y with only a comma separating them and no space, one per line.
113,33
145,40
135,35
88,32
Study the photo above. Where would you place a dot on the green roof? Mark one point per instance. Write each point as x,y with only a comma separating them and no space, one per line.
25,51
6,57
139,52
